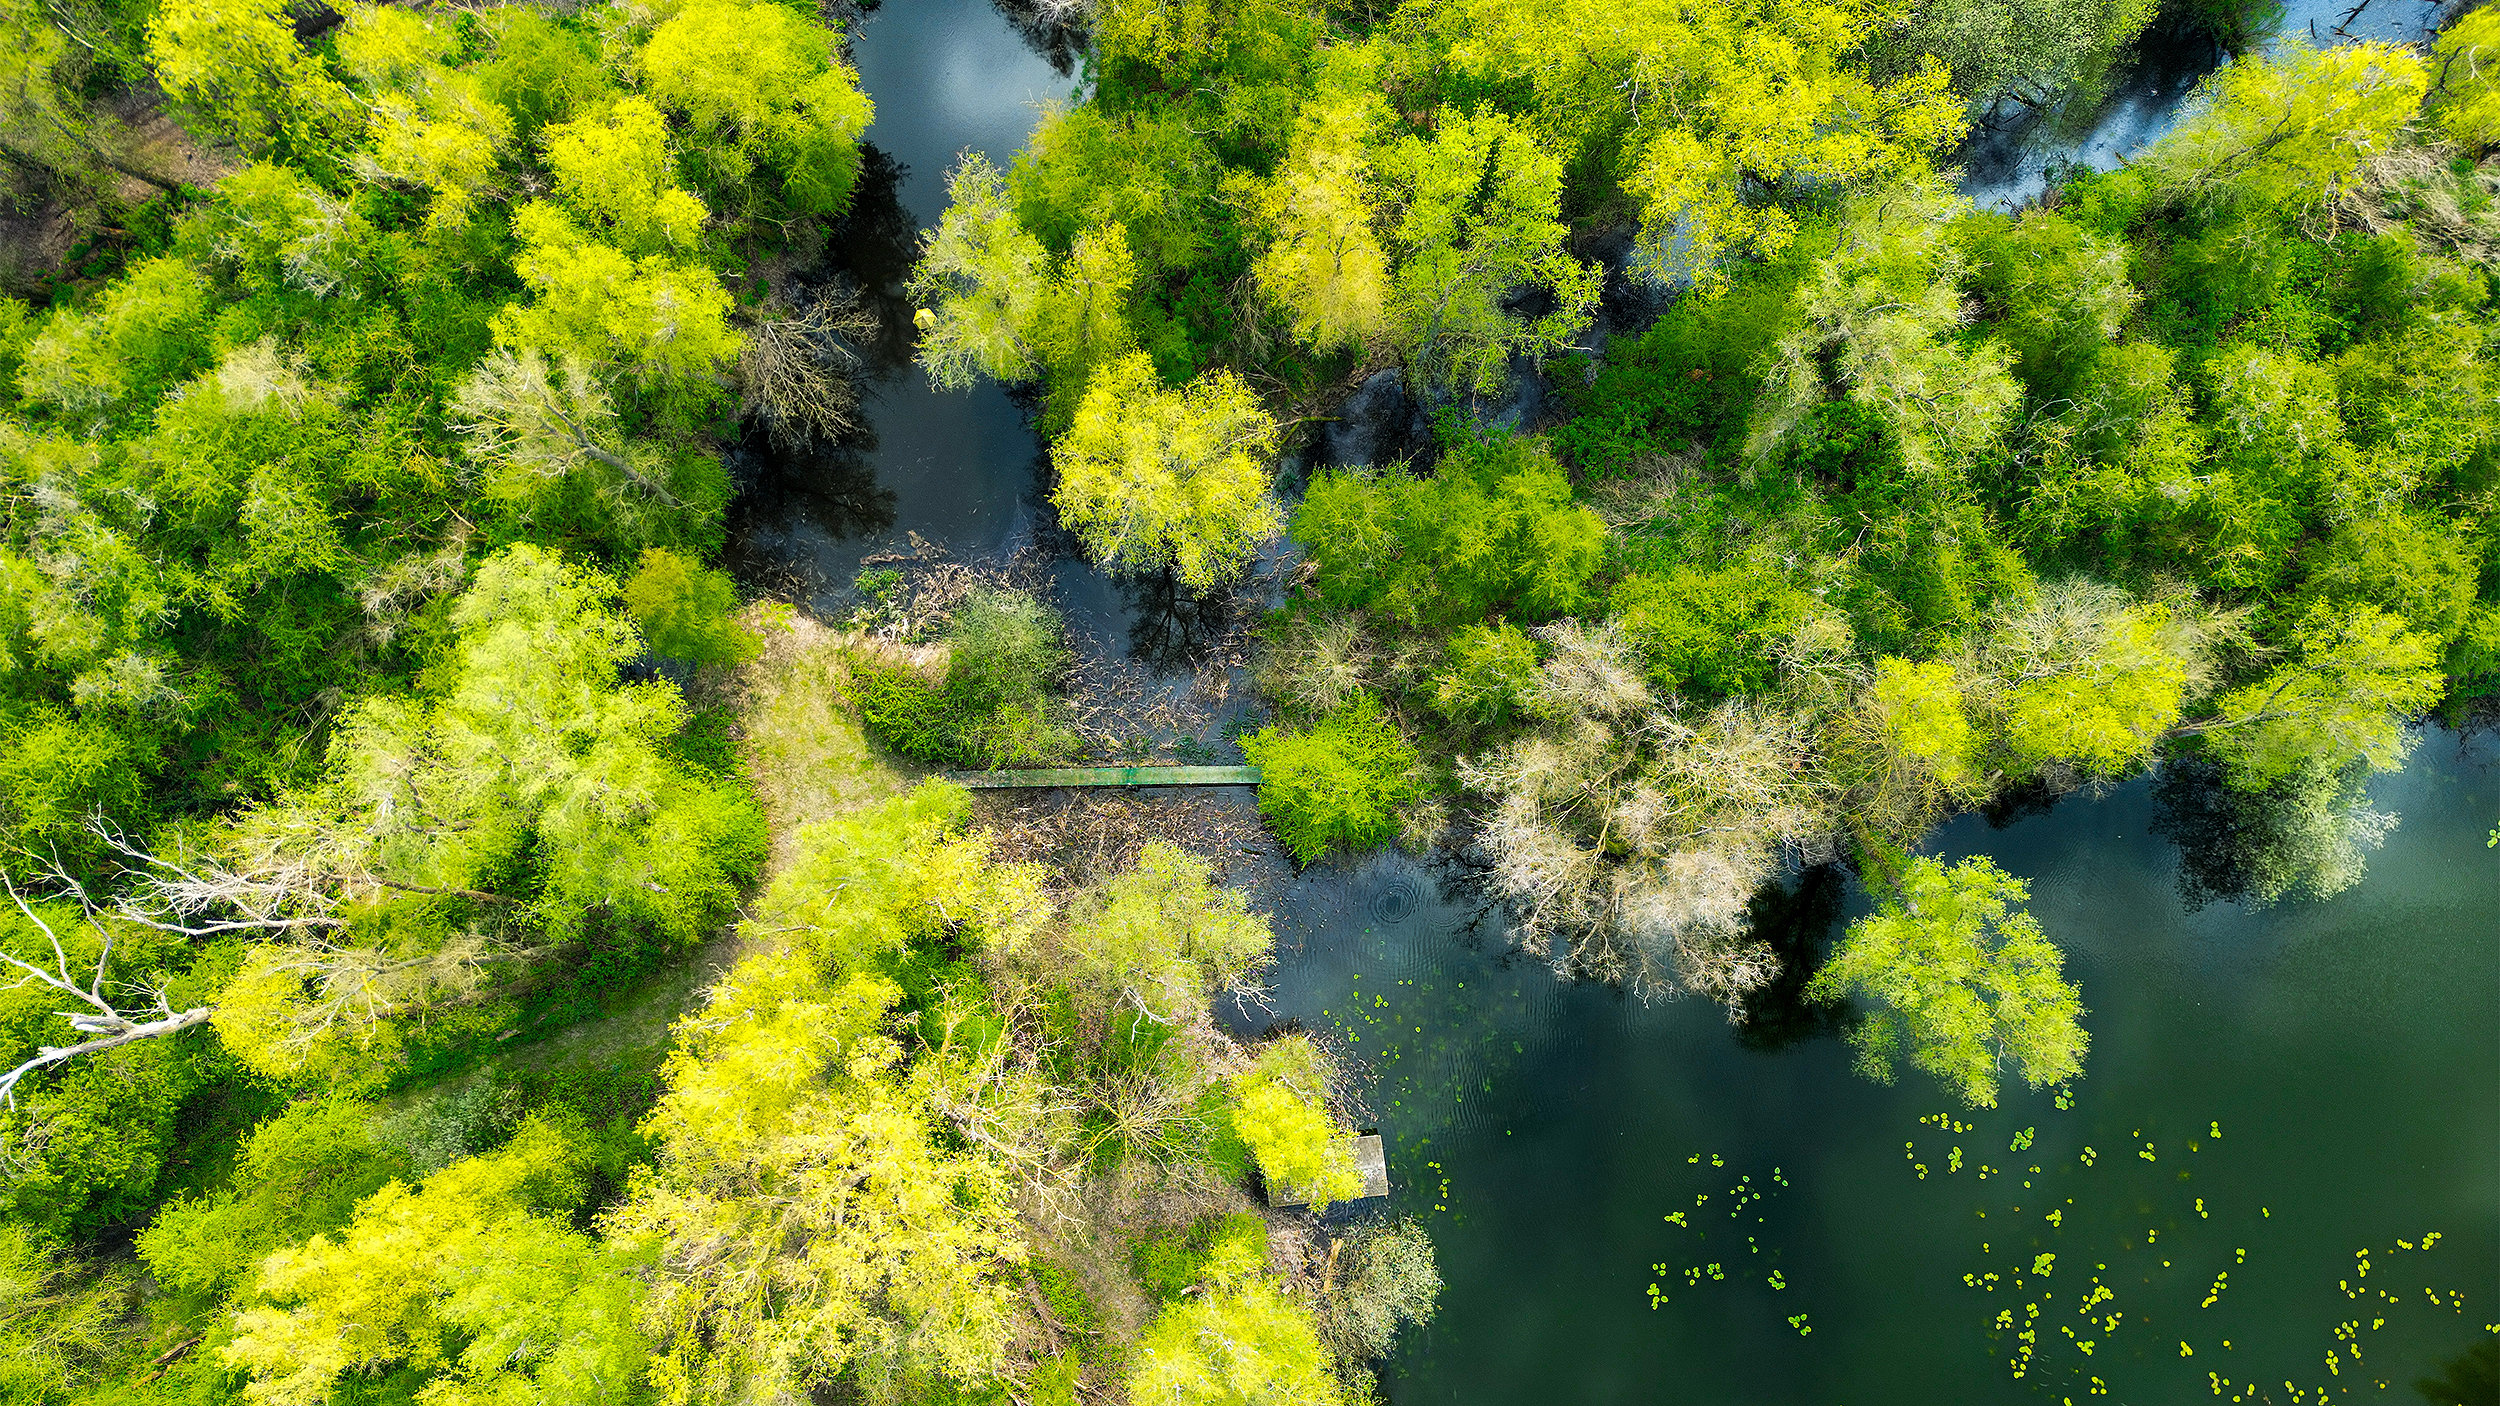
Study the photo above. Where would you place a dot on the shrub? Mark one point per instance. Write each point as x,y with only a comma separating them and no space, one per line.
993,706
684,611
1337,784
1386,1277
1710,633
1216,1250
1491,670
1494,531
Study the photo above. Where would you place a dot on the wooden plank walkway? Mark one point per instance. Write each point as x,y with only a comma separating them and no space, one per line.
1108,776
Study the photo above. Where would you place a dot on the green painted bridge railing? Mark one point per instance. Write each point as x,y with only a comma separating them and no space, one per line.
1109,776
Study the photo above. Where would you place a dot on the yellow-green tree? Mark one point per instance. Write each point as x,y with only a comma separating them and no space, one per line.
1694,105
613,175
474,1279
1325,268
979,282
1151,478
2088,679
658,322
2355,678
236,67
433,128
2293,124
1479,225
1281,1113
2465,80
818,1207
1247,1345
762,87
1966,984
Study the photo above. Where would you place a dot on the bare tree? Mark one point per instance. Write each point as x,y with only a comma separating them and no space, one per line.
797,368
190,897
166,896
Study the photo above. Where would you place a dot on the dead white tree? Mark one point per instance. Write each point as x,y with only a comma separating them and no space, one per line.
192,899
796,370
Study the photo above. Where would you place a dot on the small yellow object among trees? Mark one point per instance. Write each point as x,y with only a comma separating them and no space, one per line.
1151,478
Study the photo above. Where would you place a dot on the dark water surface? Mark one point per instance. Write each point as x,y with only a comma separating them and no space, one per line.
955,467
2348,1053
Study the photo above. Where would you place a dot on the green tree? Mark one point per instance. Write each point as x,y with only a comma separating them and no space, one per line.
762,86
1494,530
1151,478
687,611
60,1320
2354,678
1492,670
303,1172
1966,982
236,67
1339,784
1478,227
45,120
1882,320
533,785
144,333
554,448
2292,124
1710,633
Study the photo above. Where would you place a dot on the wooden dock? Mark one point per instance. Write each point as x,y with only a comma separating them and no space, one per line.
1108,776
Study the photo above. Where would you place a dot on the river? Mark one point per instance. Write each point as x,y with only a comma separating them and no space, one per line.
1645,1203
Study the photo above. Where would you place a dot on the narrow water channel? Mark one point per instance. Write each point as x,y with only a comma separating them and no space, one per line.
1646,1203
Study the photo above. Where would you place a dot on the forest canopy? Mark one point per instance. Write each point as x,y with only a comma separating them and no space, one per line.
1656,473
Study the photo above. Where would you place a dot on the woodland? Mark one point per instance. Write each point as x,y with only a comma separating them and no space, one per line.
464,946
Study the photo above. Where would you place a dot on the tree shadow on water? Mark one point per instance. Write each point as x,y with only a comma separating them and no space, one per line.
1170,627
1797,923
872,249
1052,29
791,501
2471,1378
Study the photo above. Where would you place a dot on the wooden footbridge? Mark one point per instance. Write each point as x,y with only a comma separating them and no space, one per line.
1107,776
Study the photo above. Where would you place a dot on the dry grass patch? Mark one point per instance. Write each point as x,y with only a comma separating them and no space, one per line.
803,749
